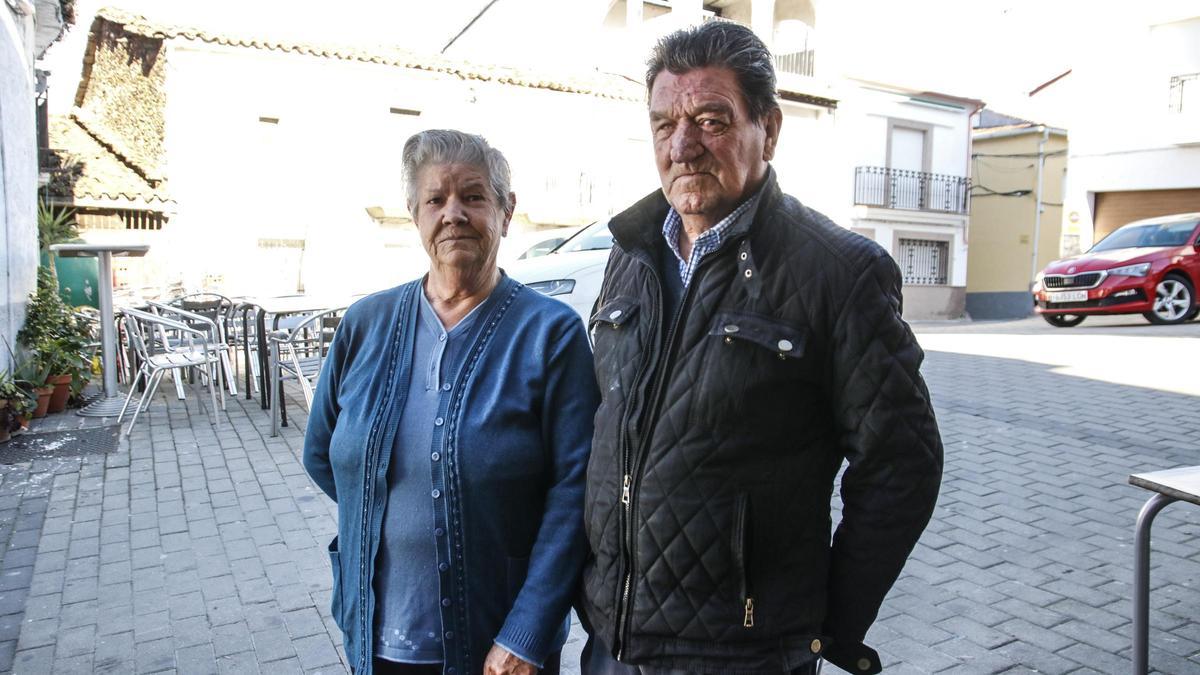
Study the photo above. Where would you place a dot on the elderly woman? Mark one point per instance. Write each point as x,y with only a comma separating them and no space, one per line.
452,426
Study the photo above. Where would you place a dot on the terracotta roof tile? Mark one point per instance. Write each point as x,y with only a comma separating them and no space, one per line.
102,173
601,85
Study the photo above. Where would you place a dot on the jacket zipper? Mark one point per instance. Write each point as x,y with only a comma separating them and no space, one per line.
743,537
629,462
625,528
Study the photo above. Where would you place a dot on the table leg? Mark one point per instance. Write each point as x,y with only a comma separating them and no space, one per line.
263,359
246,349
109,403
1141,582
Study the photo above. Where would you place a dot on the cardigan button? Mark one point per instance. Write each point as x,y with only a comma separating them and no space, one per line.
815,646
439,422
785,345
446,387
442,567
437,493
439,531
445,602
864,664
449,635
436,456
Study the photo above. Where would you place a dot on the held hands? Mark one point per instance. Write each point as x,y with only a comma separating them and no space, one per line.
500,661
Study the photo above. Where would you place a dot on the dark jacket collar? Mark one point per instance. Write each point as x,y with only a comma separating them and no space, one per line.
639,227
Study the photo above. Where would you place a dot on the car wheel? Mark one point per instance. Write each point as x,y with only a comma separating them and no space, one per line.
1173,299
1064,320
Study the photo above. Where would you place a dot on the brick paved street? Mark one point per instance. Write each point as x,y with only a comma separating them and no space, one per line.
202,550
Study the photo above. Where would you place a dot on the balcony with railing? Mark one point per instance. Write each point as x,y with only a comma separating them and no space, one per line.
796,63
1183,111
794,46
888,188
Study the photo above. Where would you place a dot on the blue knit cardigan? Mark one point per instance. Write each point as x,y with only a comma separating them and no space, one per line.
508,468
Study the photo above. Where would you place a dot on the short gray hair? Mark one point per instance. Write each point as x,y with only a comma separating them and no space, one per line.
448,146
720,44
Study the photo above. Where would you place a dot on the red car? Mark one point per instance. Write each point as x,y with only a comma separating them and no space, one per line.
1149,267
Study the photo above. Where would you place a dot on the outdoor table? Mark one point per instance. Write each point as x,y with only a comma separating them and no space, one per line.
279,307
1171,485
110,402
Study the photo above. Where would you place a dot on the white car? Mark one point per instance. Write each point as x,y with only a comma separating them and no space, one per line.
572,272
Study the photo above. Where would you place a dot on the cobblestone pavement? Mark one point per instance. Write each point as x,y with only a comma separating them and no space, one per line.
197,549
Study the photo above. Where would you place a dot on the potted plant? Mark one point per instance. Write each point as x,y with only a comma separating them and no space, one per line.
16,405
62,358
55,338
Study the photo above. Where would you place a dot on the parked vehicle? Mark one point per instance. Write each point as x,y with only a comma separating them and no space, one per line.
1149,267
573,271
542,248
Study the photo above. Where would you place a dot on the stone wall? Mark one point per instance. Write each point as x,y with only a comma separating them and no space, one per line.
125,97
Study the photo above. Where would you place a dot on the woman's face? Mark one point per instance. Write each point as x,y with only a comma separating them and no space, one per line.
458,217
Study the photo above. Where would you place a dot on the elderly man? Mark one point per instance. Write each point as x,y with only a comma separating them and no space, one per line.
745,346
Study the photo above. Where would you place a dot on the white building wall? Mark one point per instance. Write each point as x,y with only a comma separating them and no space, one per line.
1123,134
18,174
336,150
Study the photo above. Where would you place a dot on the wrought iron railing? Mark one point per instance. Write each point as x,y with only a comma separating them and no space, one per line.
911,190
1180,85
924,262
797,63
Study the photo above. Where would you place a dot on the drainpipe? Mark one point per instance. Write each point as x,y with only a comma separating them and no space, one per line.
1037,213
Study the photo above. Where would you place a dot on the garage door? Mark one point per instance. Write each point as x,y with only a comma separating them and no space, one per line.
1114,209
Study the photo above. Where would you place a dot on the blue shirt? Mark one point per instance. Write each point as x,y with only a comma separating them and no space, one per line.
408,624
709,240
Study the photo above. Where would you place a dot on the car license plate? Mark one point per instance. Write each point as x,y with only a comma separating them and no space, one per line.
1066,296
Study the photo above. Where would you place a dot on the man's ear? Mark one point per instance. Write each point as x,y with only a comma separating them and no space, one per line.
771,125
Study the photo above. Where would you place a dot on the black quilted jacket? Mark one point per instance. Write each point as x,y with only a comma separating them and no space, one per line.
720,434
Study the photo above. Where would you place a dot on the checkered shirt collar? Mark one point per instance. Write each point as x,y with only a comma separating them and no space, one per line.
708,241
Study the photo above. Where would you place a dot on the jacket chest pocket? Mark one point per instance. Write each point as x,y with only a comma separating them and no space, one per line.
616,334
760,337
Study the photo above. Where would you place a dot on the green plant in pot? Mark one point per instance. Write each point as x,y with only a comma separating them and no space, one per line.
17,404
62,357
55,338
30,376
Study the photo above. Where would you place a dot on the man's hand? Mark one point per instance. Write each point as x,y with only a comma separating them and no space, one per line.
500,661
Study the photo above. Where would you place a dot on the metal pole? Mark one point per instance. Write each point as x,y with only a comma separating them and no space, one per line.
108,342
1037,211
1141,582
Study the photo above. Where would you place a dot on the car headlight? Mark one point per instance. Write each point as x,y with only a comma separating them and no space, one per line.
554,287
1139,270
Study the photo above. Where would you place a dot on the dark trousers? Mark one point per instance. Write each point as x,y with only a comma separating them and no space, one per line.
597,660
385,667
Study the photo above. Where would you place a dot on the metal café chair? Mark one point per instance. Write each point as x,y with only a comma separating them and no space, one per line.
190,349
242,333
213,327
298,354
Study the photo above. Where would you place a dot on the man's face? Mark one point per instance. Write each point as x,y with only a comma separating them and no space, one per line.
710,152
457,216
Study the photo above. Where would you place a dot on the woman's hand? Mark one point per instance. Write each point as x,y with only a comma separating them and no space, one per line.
500,661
